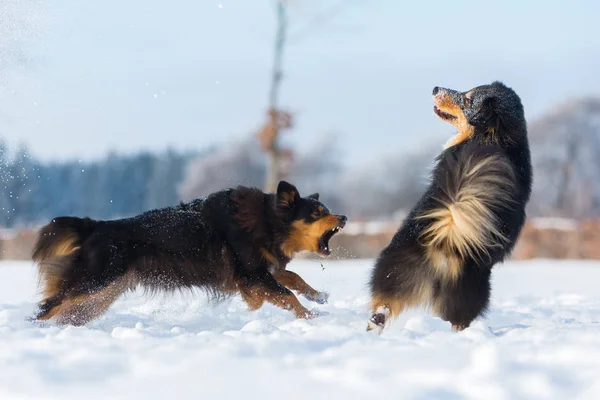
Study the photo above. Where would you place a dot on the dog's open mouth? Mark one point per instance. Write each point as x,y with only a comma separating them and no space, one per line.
443,115
324,241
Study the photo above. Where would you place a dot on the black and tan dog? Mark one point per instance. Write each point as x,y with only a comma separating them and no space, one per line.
468,219
234,241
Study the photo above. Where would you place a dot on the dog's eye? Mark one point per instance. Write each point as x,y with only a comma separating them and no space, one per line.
318,212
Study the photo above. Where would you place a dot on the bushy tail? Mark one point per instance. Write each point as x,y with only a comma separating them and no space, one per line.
56,248
472,188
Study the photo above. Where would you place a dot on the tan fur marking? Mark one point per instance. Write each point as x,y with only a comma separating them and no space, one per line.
268,256
444,103
51,284
466,226
66,247
81,309
305,236
293,281
255,297
394,304
492,134
458,328
421,296
49,281
464,133
63,247
447,265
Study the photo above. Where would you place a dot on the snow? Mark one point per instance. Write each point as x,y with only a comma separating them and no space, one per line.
369,228
561,224
541,340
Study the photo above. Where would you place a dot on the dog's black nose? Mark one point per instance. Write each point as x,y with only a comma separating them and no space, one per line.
343,220
436,90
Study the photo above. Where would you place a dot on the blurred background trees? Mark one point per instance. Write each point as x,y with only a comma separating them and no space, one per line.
566,159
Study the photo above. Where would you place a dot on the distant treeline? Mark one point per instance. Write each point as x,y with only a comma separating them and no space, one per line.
565,146
32,192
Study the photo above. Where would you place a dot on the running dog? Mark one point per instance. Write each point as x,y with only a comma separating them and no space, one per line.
234,241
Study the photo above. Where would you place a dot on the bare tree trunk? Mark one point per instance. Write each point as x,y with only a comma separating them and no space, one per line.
273,153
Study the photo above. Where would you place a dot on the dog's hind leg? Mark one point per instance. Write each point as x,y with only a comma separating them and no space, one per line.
79,309
47,308
293,281
263,287
384,308
399,280
464,300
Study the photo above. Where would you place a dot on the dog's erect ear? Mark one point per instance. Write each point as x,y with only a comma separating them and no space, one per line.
287,194
314,196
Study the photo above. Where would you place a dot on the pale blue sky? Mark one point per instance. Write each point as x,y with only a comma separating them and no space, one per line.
143,74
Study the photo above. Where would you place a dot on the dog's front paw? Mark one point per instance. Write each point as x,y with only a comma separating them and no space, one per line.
308,314
320,297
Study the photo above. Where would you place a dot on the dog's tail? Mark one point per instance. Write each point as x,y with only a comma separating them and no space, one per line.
57,245
472,187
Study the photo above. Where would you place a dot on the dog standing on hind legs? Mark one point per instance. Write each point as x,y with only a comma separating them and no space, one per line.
469,218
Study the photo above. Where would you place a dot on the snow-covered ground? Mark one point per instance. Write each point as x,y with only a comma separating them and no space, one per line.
541,340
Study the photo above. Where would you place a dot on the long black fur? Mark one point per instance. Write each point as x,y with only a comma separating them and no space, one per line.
217,243
403,275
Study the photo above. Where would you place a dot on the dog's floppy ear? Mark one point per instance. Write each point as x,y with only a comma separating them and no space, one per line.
287,194
314,196
487,114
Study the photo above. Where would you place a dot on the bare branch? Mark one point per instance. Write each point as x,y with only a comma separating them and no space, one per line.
270,141
319,20
269,134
